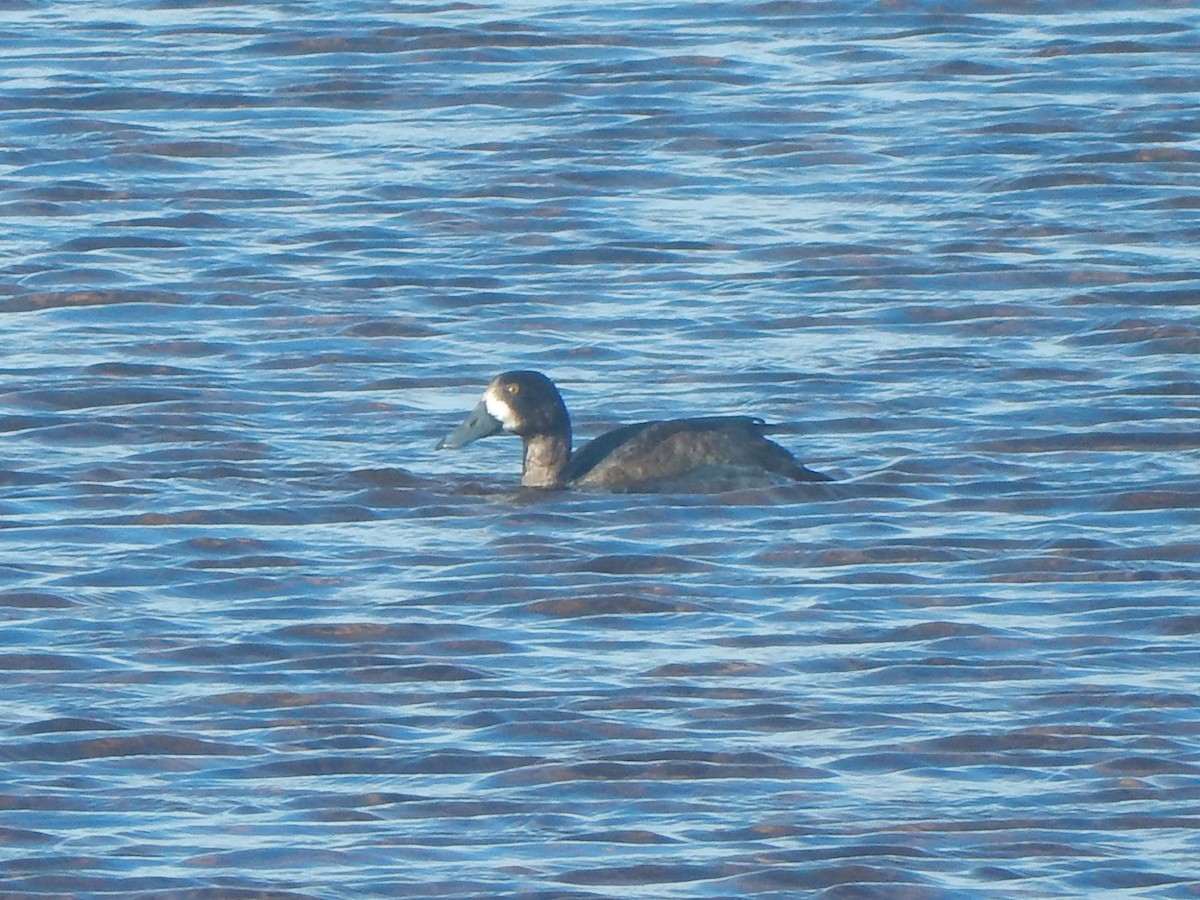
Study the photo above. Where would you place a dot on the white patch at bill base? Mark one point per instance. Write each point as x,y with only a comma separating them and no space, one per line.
499,409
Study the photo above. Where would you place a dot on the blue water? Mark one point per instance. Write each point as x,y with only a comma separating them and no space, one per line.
260,639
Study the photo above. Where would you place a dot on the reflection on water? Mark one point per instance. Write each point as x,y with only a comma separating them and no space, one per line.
260,638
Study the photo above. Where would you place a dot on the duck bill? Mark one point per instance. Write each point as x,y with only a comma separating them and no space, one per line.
479,424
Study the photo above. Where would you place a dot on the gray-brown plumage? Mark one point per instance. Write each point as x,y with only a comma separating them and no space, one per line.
702,454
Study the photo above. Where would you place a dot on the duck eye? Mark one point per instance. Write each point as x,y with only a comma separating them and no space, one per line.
513,389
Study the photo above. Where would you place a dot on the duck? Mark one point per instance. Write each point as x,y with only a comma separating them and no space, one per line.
701,455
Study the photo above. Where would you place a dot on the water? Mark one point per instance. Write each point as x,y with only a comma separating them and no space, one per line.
260,639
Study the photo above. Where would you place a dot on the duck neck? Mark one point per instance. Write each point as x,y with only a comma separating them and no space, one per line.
546,457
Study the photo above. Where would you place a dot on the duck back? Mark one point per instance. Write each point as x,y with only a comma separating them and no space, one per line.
641,455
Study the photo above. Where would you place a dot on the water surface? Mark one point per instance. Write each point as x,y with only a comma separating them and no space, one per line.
260,639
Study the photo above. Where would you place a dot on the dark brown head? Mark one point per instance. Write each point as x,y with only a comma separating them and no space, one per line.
523,403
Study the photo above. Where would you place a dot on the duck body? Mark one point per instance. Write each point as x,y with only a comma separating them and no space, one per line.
698,454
